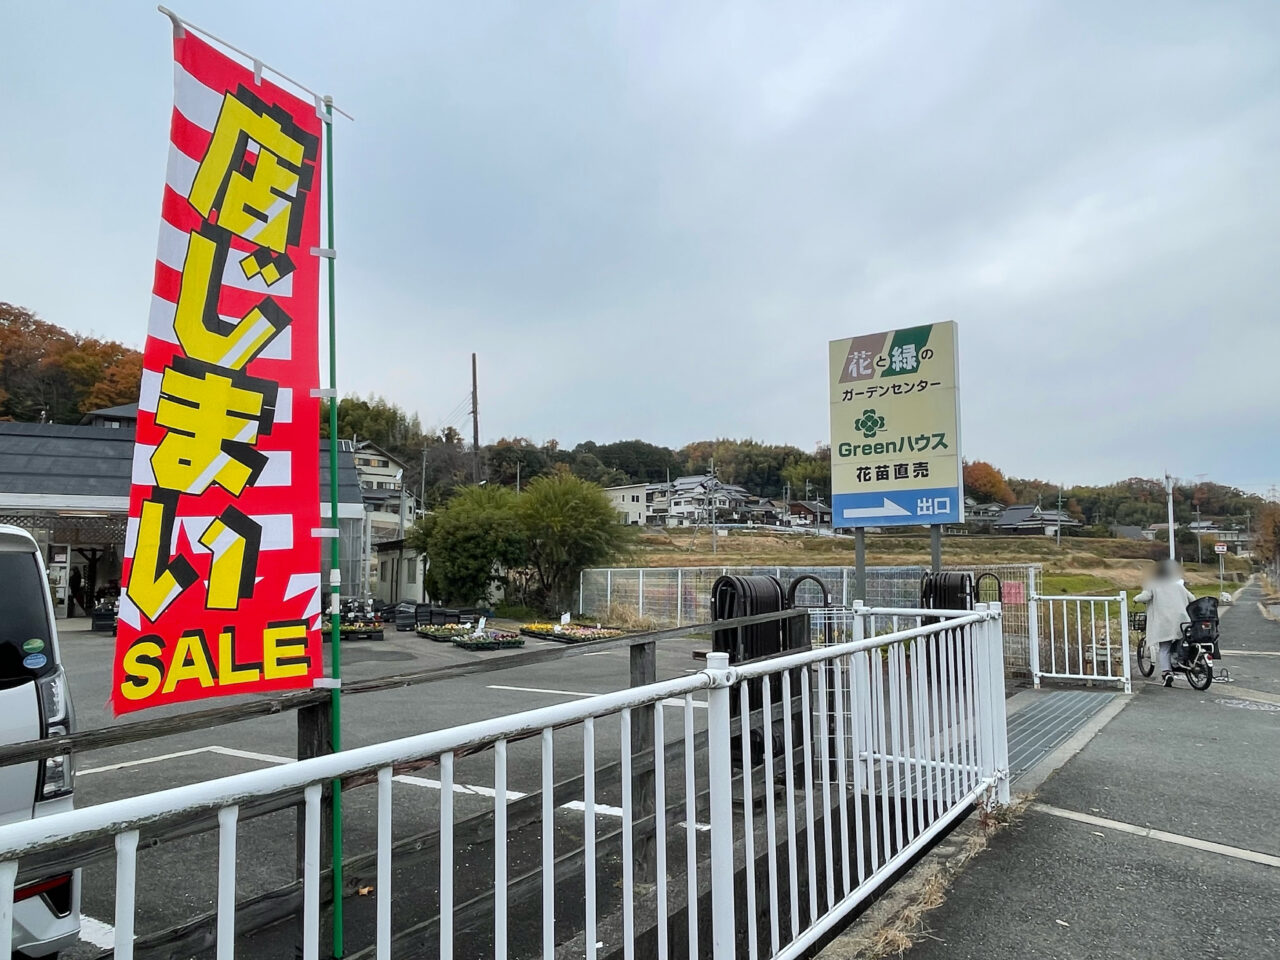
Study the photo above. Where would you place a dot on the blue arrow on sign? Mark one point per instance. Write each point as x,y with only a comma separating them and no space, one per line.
896,508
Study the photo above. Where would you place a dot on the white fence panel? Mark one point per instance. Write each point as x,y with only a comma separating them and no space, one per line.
1079,638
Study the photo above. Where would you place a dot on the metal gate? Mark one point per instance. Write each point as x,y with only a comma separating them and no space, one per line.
1080,638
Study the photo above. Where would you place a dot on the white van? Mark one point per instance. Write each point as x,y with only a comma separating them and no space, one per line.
35,703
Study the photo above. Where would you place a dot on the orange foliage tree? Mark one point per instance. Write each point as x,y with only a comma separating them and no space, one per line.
49,373
984,482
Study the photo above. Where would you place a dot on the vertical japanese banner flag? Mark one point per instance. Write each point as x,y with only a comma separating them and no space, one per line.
221,569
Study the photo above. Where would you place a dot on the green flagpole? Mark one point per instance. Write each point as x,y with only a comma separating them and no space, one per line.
335,585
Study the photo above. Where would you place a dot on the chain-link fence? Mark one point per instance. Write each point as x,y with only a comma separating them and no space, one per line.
675,596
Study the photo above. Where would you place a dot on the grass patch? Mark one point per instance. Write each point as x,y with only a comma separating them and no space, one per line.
1077,584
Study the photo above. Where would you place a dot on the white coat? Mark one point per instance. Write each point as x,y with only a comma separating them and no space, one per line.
1166,602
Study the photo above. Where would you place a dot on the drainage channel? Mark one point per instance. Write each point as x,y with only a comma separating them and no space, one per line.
1047,722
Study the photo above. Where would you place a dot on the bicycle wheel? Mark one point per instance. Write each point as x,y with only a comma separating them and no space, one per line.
1199,674
1145,666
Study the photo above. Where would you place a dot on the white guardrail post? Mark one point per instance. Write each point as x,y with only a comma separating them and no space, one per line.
720,775
980,639
1033,631
999,719
1124,640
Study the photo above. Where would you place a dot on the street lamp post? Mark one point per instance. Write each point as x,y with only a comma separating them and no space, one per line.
1168,489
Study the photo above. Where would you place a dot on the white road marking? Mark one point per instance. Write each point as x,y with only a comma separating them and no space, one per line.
601,808
101,935
250,755
598,653
1239,853
226,751
1251,653
457,787
134,763
669,702
700,827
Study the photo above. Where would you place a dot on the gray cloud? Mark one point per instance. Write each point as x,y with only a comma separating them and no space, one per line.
648,222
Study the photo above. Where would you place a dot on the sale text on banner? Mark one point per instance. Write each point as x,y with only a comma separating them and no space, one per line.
221,567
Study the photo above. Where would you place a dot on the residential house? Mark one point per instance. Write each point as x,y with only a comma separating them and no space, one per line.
762,510
698,499
810,513
113,418
391,509
631,500
400,572
1033,519
981,516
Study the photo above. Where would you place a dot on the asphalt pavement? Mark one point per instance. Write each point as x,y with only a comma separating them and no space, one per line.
1201,773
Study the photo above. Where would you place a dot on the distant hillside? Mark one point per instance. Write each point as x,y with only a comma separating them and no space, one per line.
48,373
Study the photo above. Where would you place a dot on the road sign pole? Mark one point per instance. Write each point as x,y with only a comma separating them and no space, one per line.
860,563
935,546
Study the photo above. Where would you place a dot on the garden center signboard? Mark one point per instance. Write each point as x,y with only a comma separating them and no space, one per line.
895,428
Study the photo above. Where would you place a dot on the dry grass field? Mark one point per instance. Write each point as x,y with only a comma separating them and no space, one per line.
1079,565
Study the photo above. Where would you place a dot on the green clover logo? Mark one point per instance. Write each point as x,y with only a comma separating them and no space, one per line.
869,423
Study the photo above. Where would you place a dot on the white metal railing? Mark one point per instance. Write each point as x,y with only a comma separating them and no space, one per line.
1080,638
820,774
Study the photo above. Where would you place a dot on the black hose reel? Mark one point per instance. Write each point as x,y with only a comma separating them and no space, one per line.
743,596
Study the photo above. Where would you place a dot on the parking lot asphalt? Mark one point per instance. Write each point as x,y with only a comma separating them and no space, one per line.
178,880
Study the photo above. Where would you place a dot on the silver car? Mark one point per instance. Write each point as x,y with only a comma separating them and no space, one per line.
35,704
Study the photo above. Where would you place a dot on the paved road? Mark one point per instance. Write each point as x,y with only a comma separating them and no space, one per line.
1201,766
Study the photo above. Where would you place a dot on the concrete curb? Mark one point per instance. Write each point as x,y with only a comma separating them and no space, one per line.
862,938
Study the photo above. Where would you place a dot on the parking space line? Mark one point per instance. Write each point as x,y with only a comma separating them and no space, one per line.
464,788
601,808
250,755
669,702
134,763
95,932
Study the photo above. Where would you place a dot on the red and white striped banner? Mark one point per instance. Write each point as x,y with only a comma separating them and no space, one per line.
221,566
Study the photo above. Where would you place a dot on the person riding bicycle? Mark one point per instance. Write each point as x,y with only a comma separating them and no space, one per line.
1166,598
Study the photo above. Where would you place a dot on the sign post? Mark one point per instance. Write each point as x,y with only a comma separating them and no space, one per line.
895,431
1221,550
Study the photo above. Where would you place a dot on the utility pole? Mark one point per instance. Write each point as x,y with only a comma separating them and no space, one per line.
1059,524
475,422
1199,490
1168,489
517,476
422,478
712,493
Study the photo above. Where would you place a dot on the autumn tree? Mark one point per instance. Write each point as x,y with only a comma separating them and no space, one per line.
118,385
1266,538
48,373
985,483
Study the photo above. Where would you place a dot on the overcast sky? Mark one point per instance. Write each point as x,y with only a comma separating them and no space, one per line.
649,219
